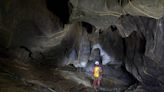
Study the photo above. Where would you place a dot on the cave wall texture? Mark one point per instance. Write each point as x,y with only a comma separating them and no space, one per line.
131,32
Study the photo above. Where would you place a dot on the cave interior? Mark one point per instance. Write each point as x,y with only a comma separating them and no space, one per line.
52,45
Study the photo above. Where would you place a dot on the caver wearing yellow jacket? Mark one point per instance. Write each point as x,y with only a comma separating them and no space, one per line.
97,74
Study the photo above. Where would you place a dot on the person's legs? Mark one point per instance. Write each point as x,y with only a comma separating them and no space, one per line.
98,82
95,82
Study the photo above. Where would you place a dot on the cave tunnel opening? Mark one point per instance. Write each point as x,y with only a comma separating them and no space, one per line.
60,8
89,27
113,28
142,44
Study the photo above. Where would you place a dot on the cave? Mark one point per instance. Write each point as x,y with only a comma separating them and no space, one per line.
60,8
55,45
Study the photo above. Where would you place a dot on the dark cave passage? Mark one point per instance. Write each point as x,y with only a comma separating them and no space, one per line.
60,8
88,27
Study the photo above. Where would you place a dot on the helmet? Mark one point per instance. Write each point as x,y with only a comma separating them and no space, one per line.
97,63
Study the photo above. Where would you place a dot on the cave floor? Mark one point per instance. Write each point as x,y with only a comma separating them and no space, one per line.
23,77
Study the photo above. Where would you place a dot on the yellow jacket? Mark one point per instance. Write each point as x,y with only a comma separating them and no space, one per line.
97,71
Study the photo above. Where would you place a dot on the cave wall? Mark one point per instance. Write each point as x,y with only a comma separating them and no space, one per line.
143,42
28,27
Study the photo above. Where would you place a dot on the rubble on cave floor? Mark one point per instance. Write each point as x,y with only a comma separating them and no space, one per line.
23,77
14,79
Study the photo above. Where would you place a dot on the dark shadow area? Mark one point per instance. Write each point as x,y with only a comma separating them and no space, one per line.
60,8
113,28
142,45
131,77
88,27
123,2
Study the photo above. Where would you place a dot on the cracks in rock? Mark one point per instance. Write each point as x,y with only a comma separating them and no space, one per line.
142,45
113,28
27,50
133,59
122,2
124,47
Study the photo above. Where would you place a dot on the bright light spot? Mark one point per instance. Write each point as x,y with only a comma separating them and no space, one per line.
83,64
105,57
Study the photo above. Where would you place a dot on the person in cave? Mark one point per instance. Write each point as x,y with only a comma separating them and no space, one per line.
97,74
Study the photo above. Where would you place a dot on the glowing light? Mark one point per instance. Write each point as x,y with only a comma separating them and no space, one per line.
105,57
